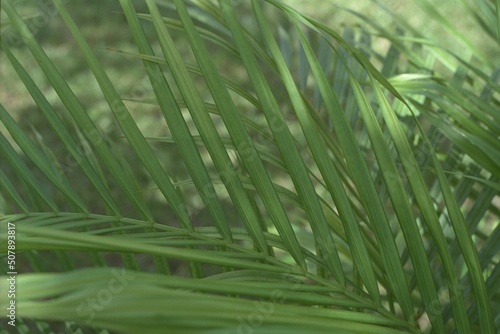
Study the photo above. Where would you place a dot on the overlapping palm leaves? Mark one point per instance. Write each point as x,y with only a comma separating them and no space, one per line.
385,220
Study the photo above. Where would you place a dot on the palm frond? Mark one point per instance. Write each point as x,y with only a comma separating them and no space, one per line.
342,187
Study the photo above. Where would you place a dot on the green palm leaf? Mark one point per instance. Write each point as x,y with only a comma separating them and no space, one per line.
302,181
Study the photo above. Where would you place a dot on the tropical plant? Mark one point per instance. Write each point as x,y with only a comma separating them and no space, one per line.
346,187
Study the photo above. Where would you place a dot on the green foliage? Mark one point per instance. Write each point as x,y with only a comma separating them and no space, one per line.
303,179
